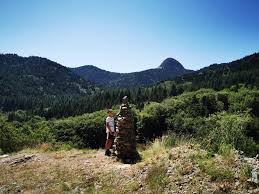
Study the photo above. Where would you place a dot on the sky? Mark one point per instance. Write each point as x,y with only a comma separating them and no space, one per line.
130,35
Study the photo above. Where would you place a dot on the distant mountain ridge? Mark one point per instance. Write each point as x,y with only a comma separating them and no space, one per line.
38,76
169,69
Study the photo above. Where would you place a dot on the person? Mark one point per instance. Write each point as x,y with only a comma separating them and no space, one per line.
109,124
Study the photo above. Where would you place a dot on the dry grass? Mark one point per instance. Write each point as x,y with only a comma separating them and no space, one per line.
73,171
165,167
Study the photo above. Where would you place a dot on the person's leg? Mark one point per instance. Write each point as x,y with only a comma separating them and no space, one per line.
108,145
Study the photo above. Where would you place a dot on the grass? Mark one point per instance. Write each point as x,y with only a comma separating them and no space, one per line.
245,172
161,146
213,168
48,147
64,171
157,179
228,153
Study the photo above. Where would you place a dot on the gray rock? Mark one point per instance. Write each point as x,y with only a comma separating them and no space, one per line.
4,156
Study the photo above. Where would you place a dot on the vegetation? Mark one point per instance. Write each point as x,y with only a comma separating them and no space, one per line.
36,76
214,118
23,132
46,108
219,76
169,163
209,165
39,91
157,178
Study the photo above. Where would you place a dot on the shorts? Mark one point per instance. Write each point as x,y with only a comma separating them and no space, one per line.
110,136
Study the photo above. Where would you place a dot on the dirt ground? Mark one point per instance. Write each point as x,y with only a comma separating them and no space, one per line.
90,171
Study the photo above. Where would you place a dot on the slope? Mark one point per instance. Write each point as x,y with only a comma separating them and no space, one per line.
39,76
168,69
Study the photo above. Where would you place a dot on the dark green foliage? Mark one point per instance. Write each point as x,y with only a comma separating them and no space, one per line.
219,76
64,94
21,130
36,76
229,116
215,118
83,131
152,122
64,106
230,129
9,136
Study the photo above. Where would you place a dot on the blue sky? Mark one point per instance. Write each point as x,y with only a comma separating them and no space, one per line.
130,35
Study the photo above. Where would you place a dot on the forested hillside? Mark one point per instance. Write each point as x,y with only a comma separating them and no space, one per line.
169,69
218,76
36,76
243,71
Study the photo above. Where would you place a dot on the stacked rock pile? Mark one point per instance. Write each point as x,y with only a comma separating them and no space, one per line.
125,140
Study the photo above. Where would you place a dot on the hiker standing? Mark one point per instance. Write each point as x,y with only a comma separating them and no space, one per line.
109,124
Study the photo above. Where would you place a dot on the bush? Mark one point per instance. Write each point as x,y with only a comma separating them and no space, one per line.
16,135
227,129
216,118
226,150
10,137
152,121
86,131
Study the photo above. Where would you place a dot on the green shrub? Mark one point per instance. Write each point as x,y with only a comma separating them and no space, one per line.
86,131
227,129
10,137
60,147
15,135
152,121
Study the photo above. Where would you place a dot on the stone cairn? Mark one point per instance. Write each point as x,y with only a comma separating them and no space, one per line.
125,141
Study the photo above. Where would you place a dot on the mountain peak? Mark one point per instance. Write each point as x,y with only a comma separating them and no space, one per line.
170,64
